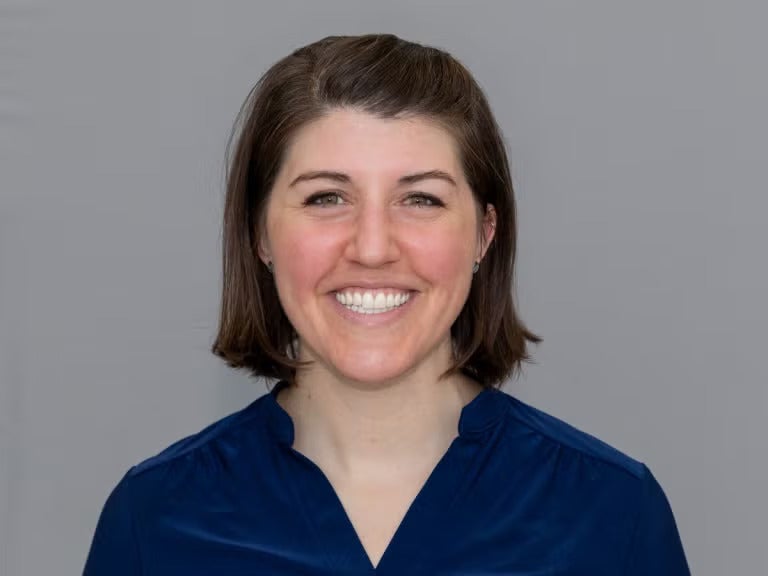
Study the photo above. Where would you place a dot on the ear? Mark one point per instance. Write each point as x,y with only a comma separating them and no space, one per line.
265,254
487,231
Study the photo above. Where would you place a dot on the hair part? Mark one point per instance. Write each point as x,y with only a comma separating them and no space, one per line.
387,77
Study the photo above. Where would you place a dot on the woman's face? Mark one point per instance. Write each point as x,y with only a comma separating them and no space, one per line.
373,231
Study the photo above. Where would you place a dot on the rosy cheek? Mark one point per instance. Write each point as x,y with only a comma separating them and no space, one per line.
442,257
305,255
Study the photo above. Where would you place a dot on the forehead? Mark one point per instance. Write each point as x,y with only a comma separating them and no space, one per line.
361,144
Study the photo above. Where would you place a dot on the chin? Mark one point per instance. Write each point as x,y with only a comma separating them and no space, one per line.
372,371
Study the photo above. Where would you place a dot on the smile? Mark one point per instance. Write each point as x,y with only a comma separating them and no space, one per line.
372,301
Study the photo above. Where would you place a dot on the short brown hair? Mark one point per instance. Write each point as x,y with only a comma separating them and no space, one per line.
388,77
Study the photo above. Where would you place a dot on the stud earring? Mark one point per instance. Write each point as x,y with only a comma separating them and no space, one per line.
476,267
270,267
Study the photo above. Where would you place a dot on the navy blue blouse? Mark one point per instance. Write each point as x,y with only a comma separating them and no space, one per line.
518,492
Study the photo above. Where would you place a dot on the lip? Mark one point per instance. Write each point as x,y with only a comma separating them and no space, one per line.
371,319
373,285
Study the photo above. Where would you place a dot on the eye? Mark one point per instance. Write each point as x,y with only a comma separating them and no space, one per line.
423,200
324,199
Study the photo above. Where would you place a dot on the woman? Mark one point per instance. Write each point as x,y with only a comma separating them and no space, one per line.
369,245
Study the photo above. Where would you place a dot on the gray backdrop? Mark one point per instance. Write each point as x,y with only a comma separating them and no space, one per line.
638,138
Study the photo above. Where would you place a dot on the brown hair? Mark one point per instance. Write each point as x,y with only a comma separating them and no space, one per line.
388,77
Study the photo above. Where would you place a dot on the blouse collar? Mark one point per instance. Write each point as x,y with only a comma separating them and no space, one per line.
481,414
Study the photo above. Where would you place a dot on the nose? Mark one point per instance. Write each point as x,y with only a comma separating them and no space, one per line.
373,242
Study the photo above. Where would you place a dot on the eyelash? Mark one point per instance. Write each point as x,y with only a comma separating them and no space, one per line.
314,198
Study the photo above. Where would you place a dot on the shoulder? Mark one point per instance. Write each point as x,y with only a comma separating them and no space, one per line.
553,431
224,431
182,484
571,475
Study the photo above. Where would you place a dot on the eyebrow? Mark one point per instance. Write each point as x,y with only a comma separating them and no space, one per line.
345,179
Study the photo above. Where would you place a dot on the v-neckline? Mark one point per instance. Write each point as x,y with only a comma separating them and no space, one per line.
329,519
342,520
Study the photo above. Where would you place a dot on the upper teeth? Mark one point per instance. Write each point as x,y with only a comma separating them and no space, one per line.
371,301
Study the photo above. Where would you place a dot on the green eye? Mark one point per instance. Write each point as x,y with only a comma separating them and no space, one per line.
423,200
324,199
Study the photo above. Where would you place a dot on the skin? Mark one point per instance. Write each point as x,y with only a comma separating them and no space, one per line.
371,412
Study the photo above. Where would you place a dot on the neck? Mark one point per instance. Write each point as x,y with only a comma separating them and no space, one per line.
375,431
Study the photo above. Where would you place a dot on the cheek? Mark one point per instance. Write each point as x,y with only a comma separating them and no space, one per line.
305,256
444,257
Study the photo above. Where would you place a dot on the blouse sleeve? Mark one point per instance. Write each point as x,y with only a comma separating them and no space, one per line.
114,550
656,547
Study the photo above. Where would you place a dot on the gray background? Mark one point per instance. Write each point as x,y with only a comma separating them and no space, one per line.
637,134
